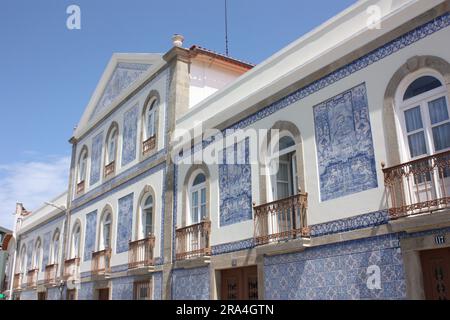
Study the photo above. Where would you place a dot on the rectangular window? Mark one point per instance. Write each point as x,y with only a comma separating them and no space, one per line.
142,290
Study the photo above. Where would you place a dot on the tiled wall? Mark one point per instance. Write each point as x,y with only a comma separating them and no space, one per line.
190,284
86,291
157,286
122,288
28,295
337,271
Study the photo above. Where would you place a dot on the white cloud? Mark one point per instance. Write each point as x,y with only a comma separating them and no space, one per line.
31,183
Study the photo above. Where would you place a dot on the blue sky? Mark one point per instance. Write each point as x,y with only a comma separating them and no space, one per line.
48,72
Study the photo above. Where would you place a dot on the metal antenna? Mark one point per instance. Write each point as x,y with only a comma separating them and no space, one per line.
226,27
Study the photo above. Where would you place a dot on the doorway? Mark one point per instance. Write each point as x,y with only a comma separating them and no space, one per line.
103,294
240,284
436,273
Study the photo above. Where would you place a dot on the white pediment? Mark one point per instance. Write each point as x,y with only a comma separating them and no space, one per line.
122,74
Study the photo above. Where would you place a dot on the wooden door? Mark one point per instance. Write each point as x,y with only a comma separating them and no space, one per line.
42,295
436,274
71,294
240,284
103,294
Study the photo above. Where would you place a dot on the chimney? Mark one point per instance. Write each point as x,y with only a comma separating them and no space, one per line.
19,208
177,40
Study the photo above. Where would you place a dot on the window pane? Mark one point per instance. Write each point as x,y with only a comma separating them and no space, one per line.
148,222
203,196
150,124
438,110
203,212
200,178
283,172
421,85
282,190
417,145
441,136
413,119
286,142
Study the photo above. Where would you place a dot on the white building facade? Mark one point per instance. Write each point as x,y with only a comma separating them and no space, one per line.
359,205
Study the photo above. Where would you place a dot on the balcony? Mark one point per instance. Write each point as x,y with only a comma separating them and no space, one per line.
101,262
17,282
80,187
71,268
140,253
193,241
50,275
148,145
32,276
419,186
110,169
281,220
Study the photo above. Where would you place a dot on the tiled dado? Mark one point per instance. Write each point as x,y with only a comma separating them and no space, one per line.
337,271
191,284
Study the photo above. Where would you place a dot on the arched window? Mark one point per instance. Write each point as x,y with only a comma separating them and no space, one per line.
37,260
147,217
55,248
76,239
285,178
82,165
424,117
197,197
23,260
105,231
111,146
150,119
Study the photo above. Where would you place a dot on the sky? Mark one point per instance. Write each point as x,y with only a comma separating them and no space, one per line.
48,72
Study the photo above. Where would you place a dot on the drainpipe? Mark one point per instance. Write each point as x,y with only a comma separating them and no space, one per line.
66,231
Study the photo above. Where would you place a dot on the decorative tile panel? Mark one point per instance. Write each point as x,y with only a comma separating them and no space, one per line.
96,158
123,76
337,271
122,288
91,231
344,145
232,246
235,183
28,295
130,124
125,225
190,284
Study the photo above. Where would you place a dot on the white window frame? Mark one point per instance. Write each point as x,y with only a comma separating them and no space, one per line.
143,216
37,258
83,160
56,243
198,190
421,101
151,111
76,251
113,137
102,239
292,167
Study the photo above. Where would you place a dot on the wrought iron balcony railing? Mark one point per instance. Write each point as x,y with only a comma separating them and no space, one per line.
110,169
418,186
148,145
101,262
140,253
71,268
50,275
281,220
32,276
193,241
